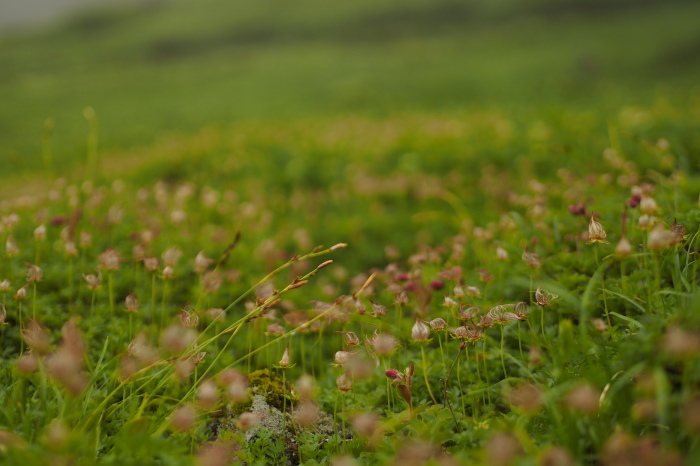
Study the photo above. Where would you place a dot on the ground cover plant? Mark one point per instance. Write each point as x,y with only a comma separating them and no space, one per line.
477,288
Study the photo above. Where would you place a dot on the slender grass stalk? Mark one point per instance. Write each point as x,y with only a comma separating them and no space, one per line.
34,300
110,285
445,398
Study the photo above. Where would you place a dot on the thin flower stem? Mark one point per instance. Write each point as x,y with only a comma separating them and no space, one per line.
503,351
425,375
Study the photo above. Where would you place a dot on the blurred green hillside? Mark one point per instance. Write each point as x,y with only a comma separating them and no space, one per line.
169,67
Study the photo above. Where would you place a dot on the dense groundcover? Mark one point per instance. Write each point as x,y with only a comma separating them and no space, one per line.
475,288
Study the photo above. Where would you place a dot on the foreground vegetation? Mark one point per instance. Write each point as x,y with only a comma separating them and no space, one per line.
493,289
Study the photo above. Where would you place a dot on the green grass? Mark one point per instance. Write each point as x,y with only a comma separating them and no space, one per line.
408,143
419,183
176,66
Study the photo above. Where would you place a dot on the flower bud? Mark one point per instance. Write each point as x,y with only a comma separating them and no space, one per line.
623,248
286,360
420,331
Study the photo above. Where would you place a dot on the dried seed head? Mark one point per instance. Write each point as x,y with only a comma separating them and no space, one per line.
131,303
469,333
211,281
93,281
3,314
57,434
378,310
648,206
183,418
306,387
520,310
531,259
28,363
501,254
109,260
67,368
544,298
248,420
183,369
646,222
500,315
70,249
438,324
365,424
384,344
306,414
468,313
583,398
188,319
420,331
150,264
472,291
5,285
527,397
680,344
503,449
350,338
342,357
34,273
275,329
556,456
484,275
11,247
40,233
176,338
202,263
171,256
644,409
360,368
142,351
344,382
36,337
168,272
596,233
21,293
661,238
599,325
237,391
85,239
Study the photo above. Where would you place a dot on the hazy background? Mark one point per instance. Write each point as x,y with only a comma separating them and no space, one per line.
150,68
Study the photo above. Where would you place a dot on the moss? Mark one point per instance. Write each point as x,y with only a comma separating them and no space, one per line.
267,384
